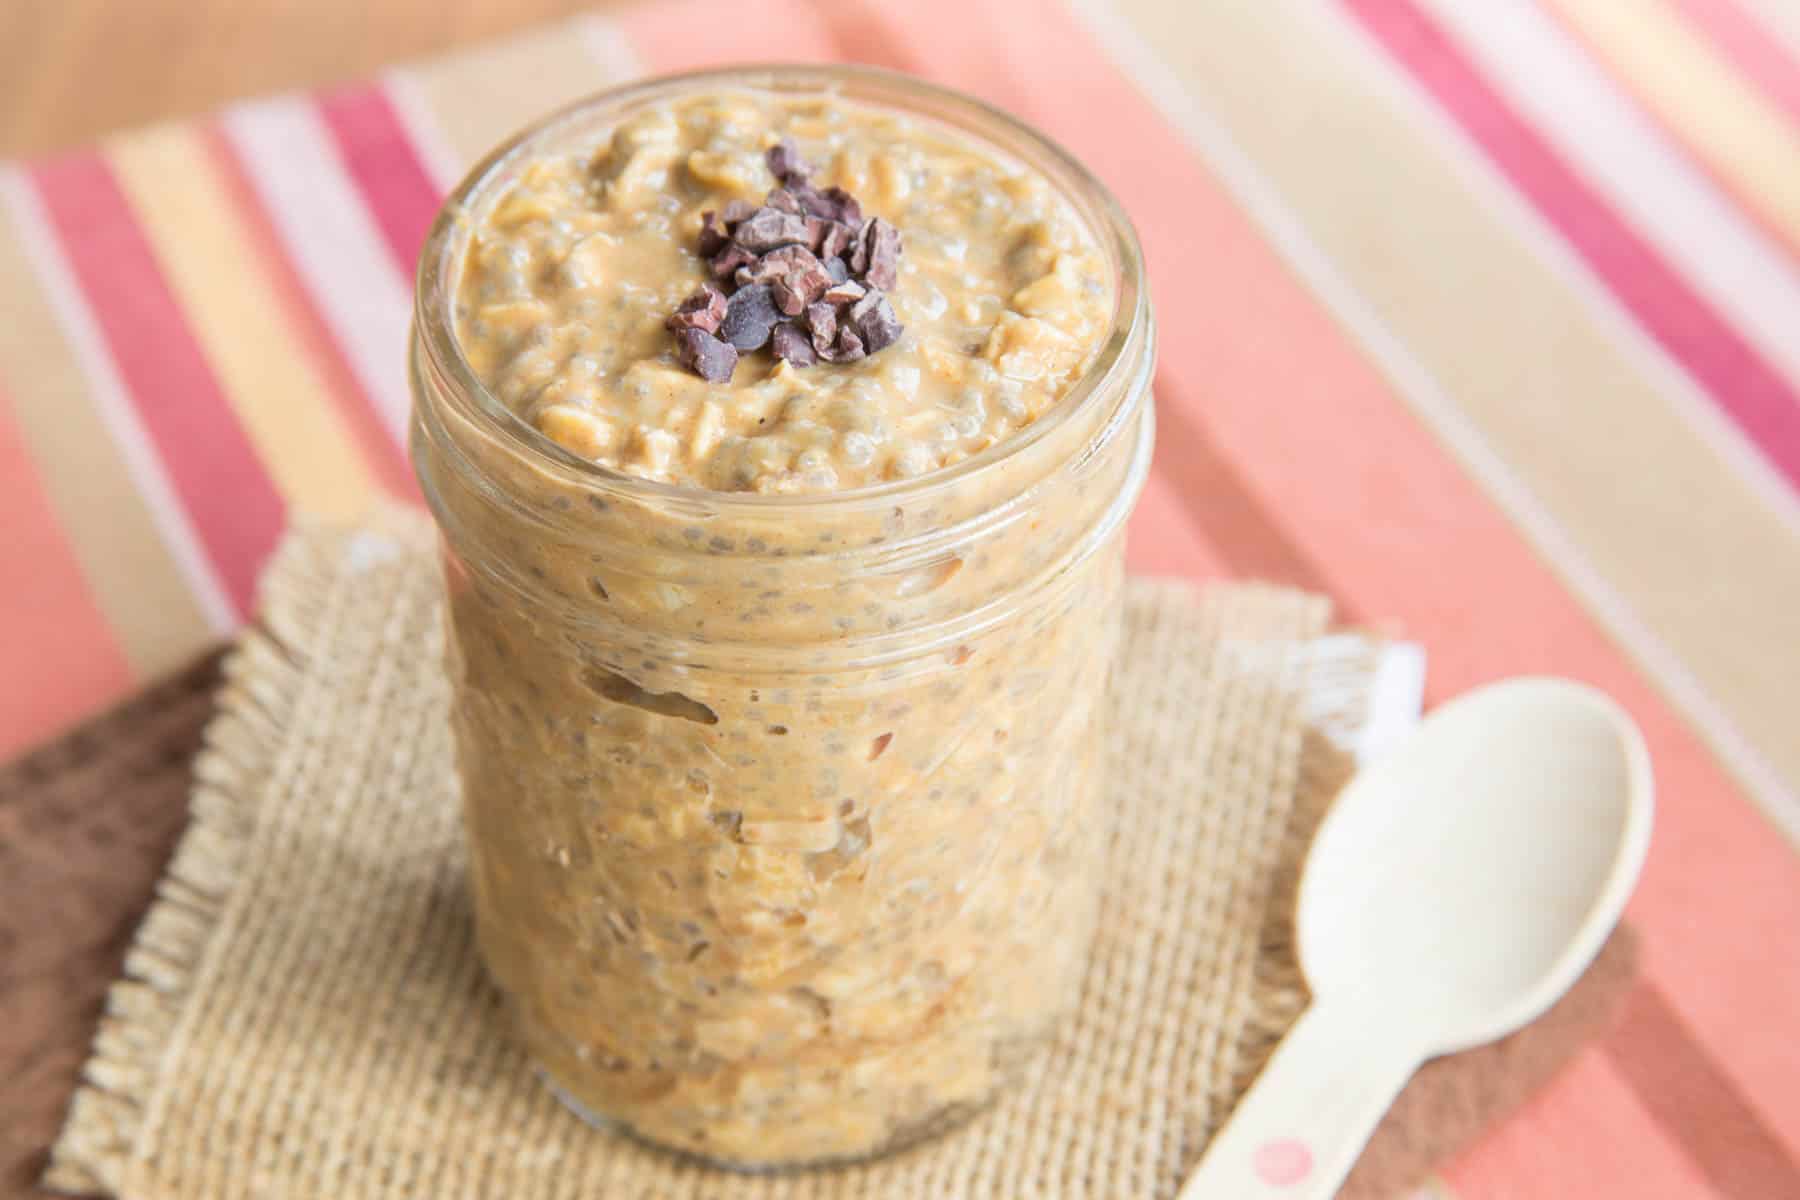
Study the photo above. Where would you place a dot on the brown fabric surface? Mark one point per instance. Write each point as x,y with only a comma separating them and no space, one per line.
86,825
90,776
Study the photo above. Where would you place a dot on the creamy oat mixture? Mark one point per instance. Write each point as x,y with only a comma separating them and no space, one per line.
1002,293
777,857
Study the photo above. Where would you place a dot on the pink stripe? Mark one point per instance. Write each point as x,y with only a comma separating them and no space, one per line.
216,474
1751,48
1752,393
387,167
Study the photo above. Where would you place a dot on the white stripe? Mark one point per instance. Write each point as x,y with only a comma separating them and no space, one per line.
442,162
112,400
1780,19
605,40
1414,383
333,242
1647,179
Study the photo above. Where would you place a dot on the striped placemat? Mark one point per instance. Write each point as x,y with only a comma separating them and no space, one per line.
1483,319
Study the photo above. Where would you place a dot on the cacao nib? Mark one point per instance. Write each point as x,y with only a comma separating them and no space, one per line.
795,270
750,317
847,291
881,241
702,310
705,355
847,348
822,319
728,260
804,272
785,200
844,206
713,234
875,321
768,228
813,201
792,346
785,162
834,240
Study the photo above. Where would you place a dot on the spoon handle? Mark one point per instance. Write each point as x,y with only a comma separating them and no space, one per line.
1306,1119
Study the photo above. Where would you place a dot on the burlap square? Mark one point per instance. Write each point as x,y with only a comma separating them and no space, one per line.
304,1014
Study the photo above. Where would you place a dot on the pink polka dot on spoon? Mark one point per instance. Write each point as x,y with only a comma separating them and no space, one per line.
1282,1163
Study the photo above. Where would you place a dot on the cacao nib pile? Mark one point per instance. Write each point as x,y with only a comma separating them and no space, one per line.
804,274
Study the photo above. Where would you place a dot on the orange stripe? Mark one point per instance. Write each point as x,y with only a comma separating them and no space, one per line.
690,33
308,326
1162,538
1367,494
1584,1136
1655,1051
60,657
1219,500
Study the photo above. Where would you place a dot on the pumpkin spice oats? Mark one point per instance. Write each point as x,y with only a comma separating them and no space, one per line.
780,624
572,275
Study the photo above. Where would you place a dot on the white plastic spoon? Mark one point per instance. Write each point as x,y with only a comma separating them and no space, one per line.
1457,888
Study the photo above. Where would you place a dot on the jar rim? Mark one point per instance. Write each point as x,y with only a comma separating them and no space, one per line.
1127,335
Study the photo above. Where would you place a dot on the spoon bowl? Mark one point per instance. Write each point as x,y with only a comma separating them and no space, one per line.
1483,866
1458,887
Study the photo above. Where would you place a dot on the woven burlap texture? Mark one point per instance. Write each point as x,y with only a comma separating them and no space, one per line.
304,1014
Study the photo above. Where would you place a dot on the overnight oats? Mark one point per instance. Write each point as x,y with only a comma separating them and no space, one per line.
781,426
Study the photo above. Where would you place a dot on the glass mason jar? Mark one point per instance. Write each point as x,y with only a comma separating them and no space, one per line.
783,811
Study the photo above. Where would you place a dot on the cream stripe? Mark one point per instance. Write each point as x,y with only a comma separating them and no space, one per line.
1719,117
459,107
112,402
136,582
608,45
1553,83
333,243
277,393
1597,469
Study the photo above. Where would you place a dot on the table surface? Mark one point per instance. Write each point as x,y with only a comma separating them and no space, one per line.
1478,318
78,69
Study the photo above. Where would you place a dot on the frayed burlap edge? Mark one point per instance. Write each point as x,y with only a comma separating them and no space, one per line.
141,1026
